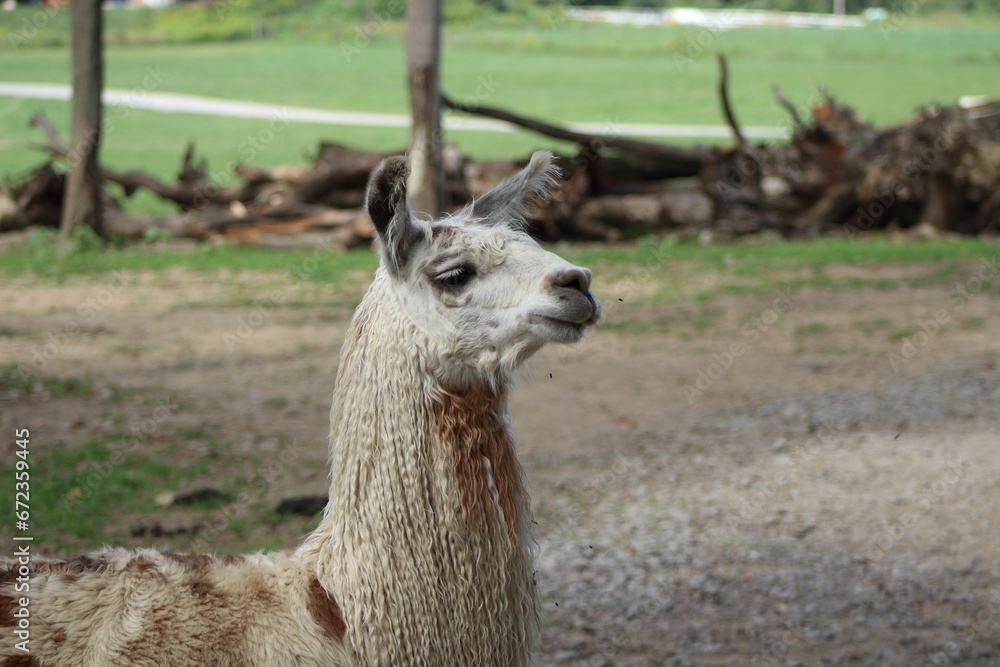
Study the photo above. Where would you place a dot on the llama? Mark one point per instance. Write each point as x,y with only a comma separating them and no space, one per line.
423,555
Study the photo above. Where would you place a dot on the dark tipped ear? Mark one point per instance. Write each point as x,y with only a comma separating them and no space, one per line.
509,201
385,200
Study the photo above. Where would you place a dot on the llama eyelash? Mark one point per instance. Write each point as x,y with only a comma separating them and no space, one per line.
456,277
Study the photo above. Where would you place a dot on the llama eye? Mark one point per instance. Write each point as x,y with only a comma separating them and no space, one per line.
455,277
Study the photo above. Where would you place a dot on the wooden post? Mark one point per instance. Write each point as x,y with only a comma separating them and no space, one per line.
82,198
423,40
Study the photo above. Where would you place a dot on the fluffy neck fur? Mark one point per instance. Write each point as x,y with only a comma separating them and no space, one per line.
426,541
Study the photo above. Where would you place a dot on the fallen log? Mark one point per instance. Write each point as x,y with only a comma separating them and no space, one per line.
36,201
676,161
189,193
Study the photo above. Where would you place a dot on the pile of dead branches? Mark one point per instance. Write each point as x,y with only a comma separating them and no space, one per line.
937,172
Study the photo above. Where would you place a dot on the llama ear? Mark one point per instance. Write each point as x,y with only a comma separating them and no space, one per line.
508,202
385,200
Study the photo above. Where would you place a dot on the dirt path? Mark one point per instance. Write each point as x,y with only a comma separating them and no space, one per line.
799,501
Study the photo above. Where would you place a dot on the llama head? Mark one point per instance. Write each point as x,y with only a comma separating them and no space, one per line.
485,293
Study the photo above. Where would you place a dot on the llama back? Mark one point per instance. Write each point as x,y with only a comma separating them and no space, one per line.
136,608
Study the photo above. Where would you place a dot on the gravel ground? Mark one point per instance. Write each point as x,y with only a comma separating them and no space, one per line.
708,550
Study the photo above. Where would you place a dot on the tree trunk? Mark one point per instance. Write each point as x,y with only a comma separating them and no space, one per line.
423,39
82,201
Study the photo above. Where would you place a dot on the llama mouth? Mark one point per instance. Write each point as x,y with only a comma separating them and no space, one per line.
558,330
596,310
561,322
578,316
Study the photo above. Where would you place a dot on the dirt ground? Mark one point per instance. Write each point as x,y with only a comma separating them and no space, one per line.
799,478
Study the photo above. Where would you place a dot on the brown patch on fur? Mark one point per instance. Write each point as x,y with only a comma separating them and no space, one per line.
7,607
207,592
69,578
22,661
79,564
59,636
468,422
191,562
143,564
325,611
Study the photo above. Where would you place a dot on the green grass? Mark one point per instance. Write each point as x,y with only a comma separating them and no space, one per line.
751,258
670,269
96,492
565,72
871,327
14,382
77,491
276,402
974,323
812,328
38,257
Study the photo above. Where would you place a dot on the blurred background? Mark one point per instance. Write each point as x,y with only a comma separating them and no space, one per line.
780,446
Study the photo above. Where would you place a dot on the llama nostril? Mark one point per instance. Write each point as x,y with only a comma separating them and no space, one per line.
574,279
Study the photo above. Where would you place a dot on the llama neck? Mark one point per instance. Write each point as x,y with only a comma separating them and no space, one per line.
426,539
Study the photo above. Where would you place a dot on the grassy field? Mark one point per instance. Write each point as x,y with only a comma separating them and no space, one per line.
745,267
562,71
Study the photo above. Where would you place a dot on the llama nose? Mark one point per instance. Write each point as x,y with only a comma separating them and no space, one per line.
576,279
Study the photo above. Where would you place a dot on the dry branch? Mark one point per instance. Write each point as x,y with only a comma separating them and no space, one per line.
727,107
679,160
